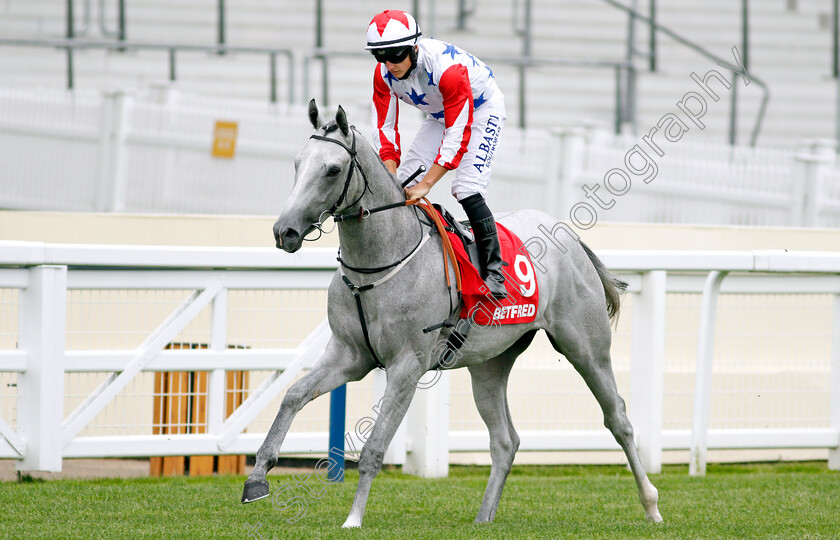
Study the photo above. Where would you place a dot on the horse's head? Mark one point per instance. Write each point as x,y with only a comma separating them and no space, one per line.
324,180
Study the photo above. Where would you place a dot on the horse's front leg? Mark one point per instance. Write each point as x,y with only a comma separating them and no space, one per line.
402,383
336,367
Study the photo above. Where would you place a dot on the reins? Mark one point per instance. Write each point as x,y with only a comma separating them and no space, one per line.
448,250
362,213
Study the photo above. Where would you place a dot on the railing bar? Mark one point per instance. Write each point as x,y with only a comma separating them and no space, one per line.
220,36
172,73
121,20
733,111
700,50
272,69
618,97
835,40
71,30
652,29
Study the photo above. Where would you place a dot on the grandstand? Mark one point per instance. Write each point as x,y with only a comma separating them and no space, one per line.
789,47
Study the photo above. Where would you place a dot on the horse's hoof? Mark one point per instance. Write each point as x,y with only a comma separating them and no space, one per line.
254,491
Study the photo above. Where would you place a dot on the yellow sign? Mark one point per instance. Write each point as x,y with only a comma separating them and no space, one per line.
224,139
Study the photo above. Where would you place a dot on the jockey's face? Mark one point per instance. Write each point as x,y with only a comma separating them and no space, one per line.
399,69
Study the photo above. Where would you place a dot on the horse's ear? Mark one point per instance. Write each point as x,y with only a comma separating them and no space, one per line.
314,115
341,120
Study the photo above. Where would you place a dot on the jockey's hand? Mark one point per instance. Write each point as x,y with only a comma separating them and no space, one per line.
420,189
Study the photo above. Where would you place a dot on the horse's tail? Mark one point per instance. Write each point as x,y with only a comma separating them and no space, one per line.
613,287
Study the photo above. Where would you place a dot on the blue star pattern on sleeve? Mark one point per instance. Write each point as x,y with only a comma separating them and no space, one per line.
474,61
491,72
479,101
416,98
438,115
451,50
390,78
431,78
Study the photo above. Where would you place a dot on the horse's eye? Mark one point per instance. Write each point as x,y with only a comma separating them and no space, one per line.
333,171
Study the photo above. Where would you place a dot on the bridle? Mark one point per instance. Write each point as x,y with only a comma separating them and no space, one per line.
363,213
354,164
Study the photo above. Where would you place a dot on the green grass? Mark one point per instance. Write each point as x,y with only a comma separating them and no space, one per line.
732,501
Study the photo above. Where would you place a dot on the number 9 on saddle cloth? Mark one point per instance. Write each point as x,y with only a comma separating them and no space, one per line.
479,307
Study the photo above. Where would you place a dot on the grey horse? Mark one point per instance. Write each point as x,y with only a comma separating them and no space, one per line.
338,173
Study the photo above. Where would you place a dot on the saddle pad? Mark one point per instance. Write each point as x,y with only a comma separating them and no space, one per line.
520,281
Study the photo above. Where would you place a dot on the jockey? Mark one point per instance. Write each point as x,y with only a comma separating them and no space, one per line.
465,113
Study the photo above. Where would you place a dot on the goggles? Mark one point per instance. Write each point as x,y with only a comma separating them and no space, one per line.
395,55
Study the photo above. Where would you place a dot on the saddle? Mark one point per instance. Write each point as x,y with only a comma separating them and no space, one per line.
476,306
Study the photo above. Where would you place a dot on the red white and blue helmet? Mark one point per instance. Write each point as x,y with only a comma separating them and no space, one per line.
392,28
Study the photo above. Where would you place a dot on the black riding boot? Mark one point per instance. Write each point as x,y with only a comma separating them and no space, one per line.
487,241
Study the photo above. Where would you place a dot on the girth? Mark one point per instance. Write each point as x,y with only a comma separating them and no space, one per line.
448,257
358,290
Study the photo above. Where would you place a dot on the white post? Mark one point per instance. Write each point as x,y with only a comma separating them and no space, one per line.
814,163
395,454
428,429
703,377
834,453
648,369
216,378
112,140
564,169
104,151
41,387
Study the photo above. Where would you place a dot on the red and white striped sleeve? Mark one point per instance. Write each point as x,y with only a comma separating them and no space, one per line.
386,113
457,115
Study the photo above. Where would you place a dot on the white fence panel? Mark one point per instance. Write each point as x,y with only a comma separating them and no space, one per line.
151,152
624,179
169,167
773,382
50,149
829,197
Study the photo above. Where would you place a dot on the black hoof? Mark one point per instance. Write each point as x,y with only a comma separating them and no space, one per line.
254,491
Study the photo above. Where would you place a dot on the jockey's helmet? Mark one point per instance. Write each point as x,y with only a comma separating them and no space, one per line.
391,29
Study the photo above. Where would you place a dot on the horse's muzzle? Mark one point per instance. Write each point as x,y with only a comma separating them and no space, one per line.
287,238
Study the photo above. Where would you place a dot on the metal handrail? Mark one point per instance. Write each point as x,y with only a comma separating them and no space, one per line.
652,37
221,23
835,60
462,12
71,45
119,33
521,62
717,59
72,31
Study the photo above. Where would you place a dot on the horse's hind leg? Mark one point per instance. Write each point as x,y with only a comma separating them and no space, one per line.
336,367
590,355
489,386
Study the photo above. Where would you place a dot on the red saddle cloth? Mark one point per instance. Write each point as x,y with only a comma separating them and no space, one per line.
520,281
